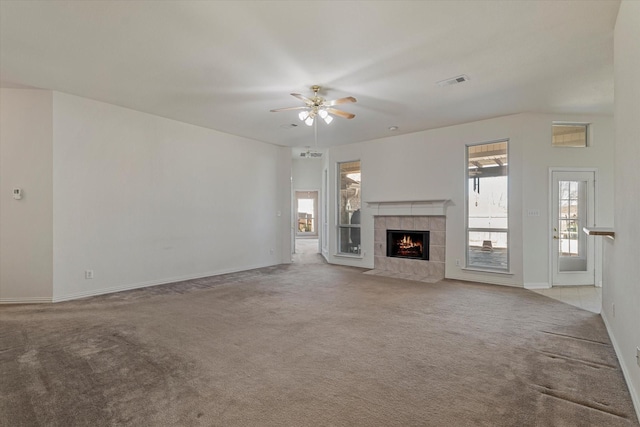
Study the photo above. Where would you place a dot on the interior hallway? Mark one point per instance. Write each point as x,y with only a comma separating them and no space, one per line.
307,252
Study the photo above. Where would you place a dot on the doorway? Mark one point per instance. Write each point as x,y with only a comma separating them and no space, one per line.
306,214
572,208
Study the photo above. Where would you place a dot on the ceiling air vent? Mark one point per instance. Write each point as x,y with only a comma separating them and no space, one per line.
311,155
453,80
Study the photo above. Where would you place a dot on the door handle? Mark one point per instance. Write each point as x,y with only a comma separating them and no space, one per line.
555,237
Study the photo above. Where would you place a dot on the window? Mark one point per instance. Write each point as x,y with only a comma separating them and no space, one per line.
487,206
570,215
349,208
307,208
569,134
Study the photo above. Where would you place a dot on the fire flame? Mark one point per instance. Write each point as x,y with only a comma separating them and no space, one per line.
407,243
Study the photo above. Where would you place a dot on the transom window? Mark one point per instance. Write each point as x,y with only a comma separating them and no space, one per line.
569,134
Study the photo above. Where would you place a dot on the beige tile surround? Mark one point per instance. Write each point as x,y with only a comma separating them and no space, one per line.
420,270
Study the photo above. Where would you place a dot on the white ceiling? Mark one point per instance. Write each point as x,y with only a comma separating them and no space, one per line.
224,65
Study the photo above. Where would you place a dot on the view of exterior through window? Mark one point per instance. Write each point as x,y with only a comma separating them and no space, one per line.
569,134
570,216
306,222
487,207
349,208
307,210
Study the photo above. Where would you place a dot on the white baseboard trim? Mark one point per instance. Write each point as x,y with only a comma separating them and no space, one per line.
625,370
26,300
538,285
128,287
120,288
486,279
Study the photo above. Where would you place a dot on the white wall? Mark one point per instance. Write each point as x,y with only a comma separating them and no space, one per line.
306,174
538,157
136,198
621,279
26,226
431,165
140,199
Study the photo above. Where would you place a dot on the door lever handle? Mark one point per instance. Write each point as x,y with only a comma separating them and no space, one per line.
555,237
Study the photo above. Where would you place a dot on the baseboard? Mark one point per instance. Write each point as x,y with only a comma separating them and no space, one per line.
26,300
129,287
538,285
485,277
625,370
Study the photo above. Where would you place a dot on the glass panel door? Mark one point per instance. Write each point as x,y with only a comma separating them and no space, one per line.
572,210
571,219
306,213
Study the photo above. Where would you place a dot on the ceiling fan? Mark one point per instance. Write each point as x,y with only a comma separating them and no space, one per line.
318,106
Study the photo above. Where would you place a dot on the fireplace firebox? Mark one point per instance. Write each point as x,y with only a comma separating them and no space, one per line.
408,244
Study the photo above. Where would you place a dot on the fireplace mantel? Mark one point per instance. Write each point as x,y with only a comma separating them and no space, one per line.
409,207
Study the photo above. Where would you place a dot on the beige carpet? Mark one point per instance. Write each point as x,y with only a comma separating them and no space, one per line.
309,345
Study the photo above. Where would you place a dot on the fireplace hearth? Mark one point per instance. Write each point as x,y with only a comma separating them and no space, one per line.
411,244
429,270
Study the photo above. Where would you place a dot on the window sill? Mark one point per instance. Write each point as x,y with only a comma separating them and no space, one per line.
483,270
348,256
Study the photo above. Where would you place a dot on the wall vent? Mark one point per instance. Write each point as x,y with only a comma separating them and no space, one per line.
311,155
454,80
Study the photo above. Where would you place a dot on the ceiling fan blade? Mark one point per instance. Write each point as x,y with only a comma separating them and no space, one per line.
340,101
304,107
340,113
302,98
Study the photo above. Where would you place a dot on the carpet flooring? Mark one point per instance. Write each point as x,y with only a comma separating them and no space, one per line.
310,344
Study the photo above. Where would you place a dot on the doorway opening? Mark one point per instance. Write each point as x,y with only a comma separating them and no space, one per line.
306,214
572,209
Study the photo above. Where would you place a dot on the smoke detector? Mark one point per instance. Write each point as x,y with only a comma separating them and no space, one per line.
453,80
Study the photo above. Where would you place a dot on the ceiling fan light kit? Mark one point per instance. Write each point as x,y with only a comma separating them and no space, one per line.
318,106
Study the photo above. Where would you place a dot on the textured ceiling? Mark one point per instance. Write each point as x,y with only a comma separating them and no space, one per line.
224,65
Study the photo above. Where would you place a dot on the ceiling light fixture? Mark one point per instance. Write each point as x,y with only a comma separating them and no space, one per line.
318,106
309,120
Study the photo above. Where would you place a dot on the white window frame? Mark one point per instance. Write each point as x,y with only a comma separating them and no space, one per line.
339,225
587,130
468,229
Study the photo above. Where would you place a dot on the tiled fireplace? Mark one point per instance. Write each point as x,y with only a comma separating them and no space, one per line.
413,221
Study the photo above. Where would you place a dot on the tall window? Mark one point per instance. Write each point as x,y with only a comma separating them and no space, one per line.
487,206
349,208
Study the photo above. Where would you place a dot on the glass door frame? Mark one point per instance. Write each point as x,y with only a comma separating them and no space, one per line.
572,278
307,194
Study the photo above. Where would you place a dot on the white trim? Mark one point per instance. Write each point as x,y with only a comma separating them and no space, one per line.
120,288
26,300
487,270
508,230
550,215
626,372
348,256
482,277
409,207
538,285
